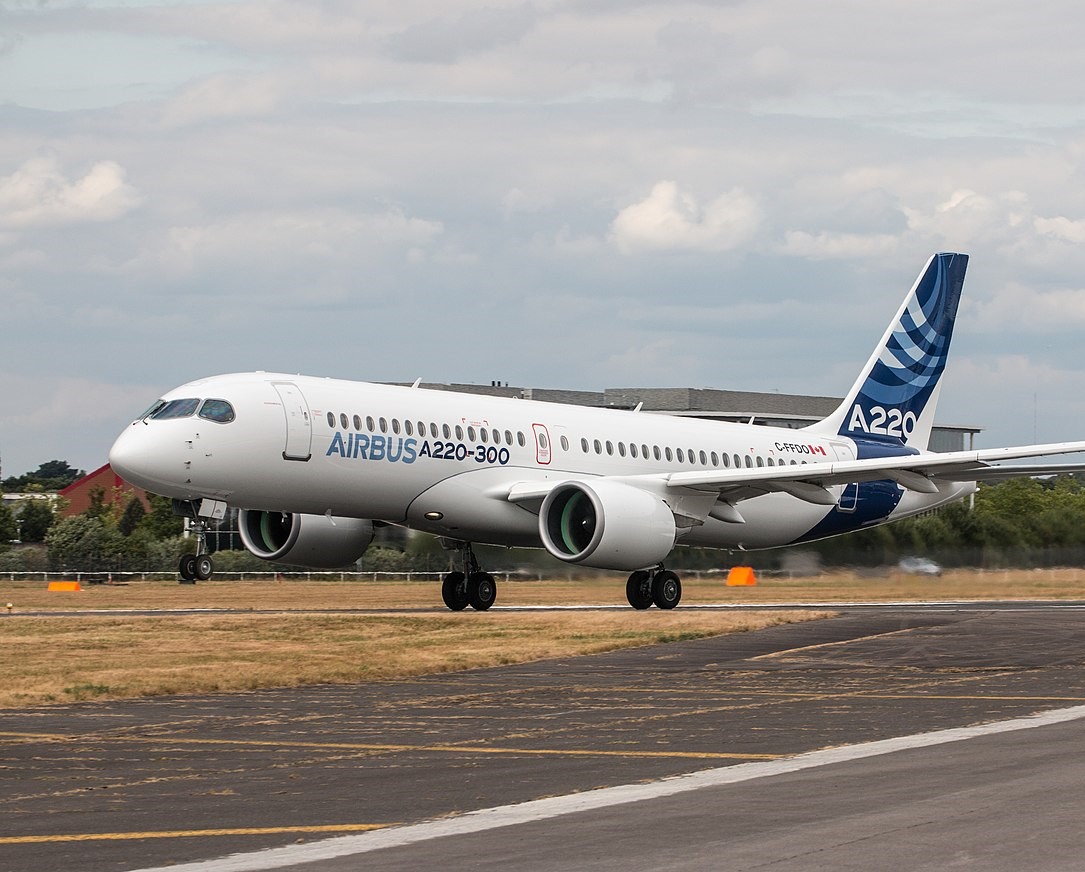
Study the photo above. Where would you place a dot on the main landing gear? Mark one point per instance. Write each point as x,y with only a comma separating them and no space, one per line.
198,566
472,587
659,586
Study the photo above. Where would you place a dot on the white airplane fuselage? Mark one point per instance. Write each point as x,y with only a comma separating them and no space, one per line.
438,461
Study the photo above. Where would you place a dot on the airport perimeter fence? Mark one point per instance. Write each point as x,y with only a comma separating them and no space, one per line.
512,575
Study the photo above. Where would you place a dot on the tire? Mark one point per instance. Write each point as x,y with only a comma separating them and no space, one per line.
205,566
481,591
666,589
186,566
454,591
638,590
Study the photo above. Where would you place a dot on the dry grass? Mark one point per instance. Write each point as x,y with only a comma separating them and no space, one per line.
60,659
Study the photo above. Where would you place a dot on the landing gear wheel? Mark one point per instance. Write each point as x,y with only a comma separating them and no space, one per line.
481,590
187,567
638,590
204,567
666,589
454,591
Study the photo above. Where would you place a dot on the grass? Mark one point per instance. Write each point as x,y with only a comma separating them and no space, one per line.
64,659
57,659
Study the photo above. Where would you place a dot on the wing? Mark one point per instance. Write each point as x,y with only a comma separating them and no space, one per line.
811,481
917,472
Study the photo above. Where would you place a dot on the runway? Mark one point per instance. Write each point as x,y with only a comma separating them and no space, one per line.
143,784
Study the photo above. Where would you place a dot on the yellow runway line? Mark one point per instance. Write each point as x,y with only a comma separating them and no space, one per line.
386,749
184,834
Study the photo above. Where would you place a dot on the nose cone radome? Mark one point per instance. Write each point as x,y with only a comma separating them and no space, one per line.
136,459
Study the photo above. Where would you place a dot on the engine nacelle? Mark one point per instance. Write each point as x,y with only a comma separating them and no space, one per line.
305,540
607,525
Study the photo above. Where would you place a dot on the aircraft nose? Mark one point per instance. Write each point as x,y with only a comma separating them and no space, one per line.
124,456
135,459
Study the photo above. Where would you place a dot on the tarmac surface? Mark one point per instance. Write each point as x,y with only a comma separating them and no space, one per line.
149,783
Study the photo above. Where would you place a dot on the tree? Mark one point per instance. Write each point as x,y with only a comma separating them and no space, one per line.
161,522
37,517
9,529
84,543
52,475
131,517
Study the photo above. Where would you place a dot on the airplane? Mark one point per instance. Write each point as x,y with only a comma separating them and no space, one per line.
315,464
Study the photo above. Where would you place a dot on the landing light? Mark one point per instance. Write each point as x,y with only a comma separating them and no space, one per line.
434,516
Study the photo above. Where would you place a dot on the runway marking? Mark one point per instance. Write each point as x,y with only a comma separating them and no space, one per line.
557,806
437,749
182,834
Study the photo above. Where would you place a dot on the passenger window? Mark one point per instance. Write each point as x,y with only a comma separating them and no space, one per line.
715,459
447,431
564,444
357,422
681,455
760,460
177,409
749,462
584,445
408,428
343,421
667,451
644,451
421,428
508,437
497,437
704,458
219,411
395,425
656,453
520,440
610,448
726,460
433,431
483,434
383,425
369,424
632,449
621,449
470,433
459,432
738,461
598,447
331,419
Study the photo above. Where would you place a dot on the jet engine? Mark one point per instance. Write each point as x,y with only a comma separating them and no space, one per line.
305,540
607,525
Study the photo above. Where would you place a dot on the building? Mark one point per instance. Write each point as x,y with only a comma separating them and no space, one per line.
79,494
775,410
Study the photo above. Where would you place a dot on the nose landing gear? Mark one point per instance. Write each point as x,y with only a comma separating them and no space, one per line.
198,566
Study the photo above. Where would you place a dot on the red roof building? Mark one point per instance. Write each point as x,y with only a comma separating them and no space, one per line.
104,479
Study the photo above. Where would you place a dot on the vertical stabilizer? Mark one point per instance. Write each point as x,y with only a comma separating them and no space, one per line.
893,400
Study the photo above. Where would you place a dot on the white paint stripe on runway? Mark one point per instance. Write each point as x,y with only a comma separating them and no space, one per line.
541,809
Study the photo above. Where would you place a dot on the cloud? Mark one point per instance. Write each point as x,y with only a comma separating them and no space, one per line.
670,220
446,40
38,195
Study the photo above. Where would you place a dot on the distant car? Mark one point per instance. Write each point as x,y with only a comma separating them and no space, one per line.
919,566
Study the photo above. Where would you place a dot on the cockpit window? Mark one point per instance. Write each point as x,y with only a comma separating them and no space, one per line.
176,409
217,410
155,406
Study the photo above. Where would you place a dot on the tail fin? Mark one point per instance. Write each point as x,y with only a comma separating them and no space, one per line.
894,398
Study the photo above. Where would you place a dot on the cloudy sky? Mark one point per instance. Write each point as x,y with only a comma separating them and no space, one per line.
559,193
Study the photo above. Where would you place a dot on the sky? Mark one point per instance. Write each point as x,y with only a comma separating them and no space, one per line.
556,194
